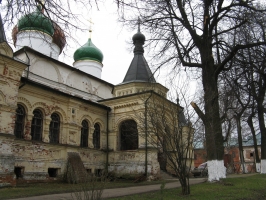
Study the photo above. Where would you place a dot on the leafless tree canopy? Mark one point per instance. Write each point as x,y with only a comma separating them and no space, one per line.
197,34
65,14
180,30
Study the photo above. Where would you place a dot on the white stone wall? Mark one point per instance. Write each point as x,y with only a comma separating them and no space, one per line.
38,41
65,79
91,67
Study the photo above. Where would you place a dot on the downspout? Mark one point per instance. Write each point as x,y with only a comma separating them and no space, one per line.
146,136
27,77
107,140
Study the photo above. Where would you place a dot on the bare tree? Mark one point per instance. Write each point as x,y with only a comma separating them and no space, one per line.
251,62
253,132
240,105
168,130
195,34
258,87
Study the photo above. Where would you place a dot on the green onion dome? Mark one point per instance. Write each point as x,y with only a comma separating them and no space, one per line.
88,52
36,21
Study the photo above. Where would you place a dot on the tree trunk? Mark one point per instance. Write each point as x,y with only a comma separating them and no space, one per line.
257,158
240,143
260,99
185,186
263,138
211,118
212,122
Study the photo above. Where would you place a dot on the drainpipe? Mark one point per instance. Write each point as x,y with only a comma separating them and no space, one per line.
107,140
146,136
27,68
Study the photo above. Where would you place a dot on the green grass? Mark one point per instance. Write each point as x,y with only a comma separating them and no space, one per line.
242,188
239,188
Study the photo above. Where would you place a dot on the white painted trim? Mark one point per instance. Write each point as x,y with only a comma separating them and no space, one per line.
257,167
263,166
38,41
90,67
216,170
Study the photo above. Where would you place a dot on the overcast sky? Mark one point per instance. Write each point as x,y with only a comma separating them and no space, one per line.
111,38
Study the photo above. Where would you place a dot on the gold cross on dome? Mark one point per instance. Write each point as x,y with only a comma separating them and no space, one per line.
41,2
90,28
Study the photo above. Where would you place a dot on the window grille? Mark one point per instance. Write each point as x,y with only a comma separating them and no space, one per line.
84,134
36,125
19,122
96,136
54,128
128,135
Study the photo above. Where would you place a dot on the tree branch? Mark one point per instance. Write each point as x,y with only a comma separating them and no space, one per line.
198,111
233,53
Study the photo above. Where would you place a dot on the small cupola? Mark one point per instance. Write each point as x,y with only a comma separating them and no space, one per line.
139,70
138,41
139,77
88,52
88,58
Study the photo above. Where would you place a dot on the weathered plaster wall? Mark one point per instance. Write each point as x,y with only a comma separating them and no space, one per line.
7,176
35,158
10,73
70,110
133,162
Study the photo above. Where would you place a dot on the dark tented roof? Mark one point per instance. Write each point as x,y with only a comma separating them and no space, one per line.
139,70
2,31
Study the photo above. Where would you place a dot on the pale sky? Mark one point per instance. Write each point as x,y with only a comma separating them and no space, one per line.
111,38
115,42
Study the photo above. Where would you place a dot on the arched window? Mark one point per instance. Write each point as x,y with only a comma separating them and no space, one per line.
19,123
36,125
128,135
54,128
96,136
84,134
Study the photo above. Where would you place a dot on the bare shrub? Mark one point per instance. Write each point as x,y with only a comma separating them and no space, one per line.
91,189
